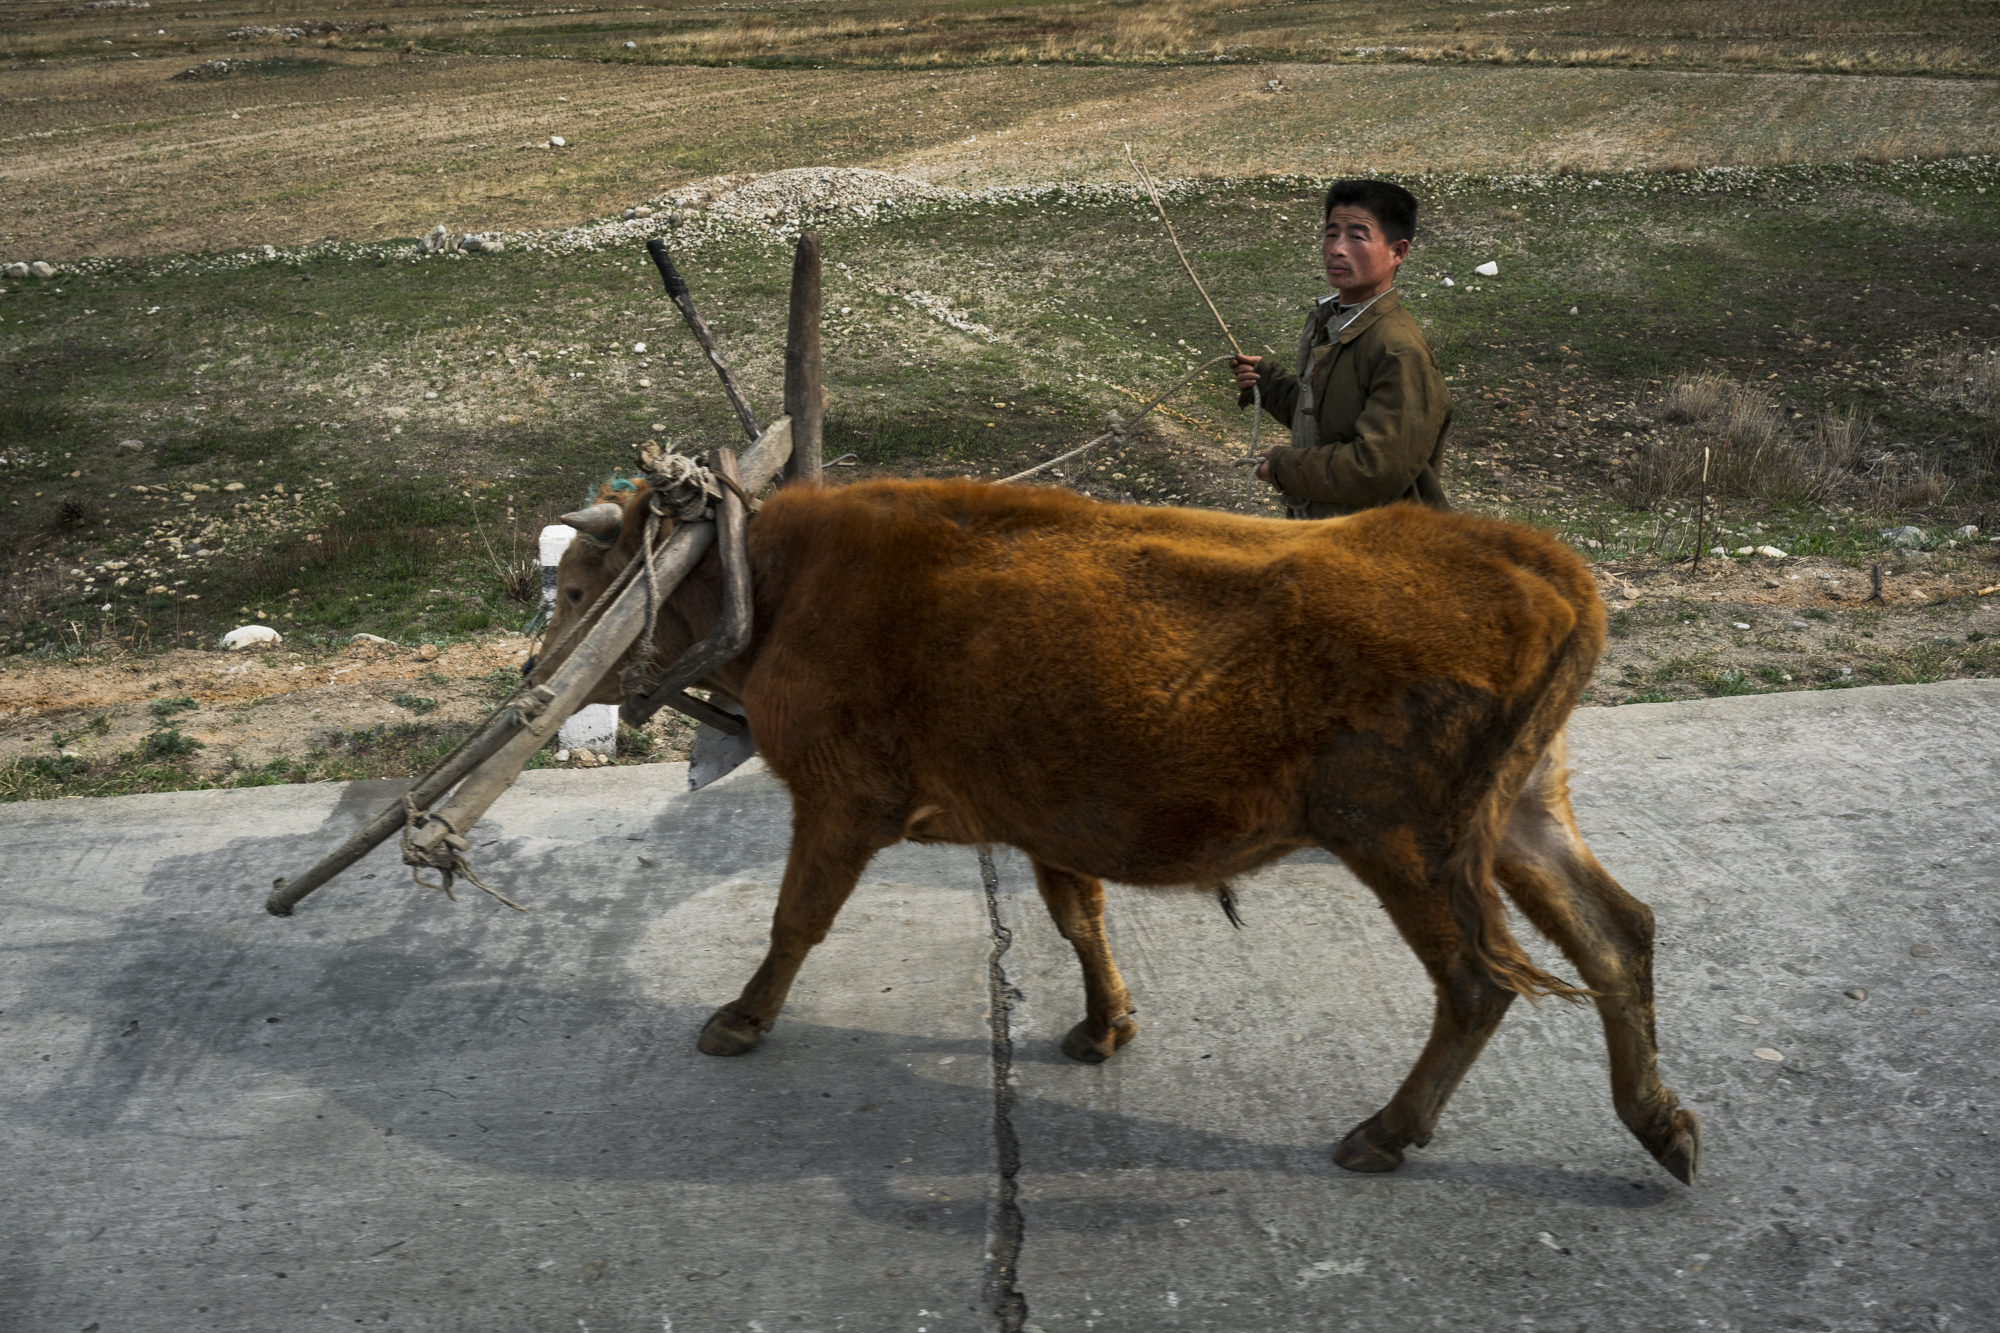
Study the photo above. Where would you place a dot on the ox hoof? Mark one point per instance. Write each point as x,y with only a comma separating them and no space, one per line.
1080,1045
1369,1147
1678,1149
729,1033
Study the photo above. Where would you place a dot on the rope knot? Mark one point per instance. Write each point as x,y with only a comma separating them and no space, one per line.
681,487
431,843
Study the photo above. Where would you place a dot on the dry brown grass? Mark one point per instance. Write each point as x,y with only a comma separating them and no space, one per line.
1817,35
1736,436
1062,32
1963,374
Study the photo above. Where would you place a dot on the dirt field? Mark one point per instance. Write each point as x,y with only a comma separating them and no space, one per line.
119,158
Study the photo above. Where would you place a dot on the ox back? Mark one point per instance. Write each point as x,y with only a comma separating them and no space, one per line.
1175,697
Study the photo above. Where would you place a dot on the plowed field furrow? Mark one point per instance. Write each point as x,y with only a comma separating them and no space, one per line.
139,163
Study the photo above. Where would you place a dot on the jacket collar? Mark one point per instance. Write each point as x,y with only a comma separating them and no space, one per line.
1383,304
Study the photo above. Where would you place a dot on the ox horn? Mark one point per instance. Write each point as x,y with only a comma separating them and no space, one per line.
600,520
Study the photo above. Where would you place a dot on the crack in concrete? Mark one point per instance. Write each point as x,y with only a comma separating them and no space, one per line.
1005,1303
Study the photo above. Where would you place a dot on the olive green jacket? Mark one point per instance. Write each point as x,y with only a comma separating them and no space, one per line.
1382,411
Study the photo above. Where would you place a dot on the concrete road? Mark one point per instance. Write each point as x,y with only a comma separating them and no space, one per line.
395,1112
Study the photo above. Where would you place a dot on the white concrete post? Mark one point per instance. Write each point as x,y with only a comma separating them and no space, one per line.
593,727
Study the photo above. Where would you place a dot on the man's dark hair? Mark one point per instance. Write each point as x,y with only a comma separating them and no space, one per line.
1393,206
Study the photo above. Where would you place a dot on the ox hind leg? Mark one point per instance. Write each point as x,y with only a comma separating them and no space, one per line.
1607,934
1408,879
826,861
1076,902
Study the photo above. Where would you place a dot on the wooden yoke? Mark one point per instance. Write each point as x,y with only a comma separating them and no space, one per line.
805,401
731,634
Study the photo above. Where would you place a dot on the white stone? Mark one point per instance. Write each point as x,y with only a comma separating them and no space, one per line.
249,636
591,727
1746,550
1447,283
1903,536
1738,624
39,269
1969,530
1574,311
1771,552
16,270
631,46
369,638
131,444
557,141
555,539
638,347
1489,269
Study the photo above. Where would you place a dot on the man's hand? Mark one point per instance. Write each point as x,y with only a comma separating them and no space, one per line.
1246,369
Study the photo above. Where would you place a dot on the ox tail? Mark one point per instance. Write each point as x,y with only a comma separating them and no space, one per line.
1481,917
1523,737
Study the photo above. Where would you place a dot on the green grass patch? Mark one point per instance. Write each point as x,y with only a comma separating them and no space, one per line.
167,743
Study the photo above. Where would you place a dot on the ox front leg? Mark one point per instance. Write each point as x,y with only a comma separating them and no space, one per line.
825,864
1470,1005
1076,902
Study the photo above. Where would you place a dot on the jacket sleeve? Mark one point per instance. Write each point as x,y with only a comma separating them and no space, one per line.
1404,412
1279,387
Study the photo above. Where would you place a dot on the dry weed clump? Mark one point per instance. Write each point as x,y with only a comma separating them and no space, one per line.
1064,32
1736,436
1161,29
1960,374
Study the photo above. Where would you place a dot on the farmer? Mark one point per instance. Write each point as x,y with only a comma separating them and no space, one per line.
1371,429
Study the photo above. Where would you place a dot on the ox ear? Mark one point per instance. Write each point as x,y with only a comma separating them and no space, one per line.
600,522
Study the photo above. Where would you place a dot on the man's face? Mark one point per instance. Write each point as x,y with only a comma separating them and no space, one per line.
1360,262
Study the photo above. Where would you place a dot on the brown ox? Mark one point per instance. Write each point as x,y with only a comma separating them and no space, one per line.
1177,697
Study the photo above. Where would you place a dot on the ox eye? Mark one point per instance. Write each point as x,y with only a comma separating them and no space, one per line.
575,595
